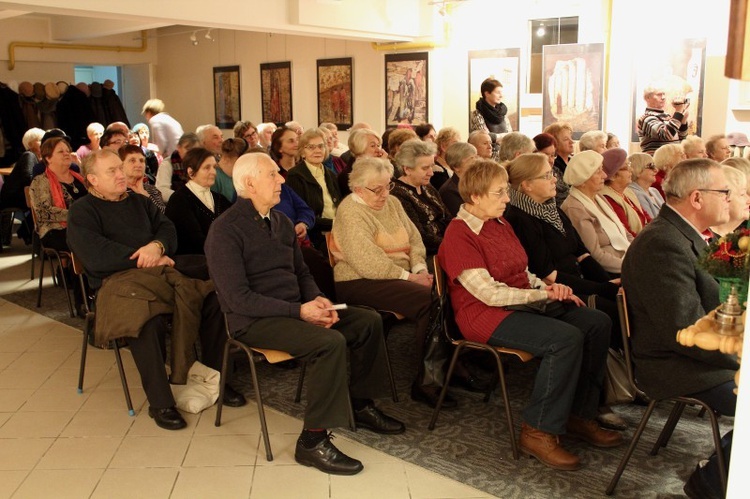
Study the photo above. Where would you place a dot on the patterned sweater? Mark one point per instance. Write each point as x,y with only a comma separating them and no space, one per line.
656,128
426,210
375,244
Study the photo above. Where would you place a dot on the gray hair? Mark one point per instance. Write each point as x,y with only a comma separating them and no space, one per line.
736,178
262,127
153,106
307,136
445,135
358,140
457,153
88,165
515,143
638,163
202,131
588,140
30,136
475,134
688,176
691,144
330,126
366,168
247,165
407,155
742,164
667,156
712,144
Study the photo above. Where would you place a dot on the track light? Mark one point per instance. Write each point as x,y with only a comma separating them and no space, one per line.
540,32
194,38
208,35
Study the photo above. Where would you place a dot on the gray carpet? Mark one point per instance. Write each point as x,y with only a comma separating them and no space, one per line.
471,444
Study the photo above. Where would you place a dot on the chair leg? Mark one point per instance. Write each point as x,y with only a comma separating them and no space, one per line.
394,392
631,448
84,349
65,285
298,395
124,380
669,426
702,412
222,383
506,401
34,251
717,445
41,277
261,411
448,377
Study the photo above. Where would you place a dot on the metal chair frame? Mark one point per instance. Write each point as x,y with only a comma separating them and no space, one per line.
88,330
674,415
452,334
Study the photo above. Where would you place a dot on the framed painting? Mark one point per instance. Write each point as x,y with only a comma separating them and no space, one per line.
276,92
572,86
502,65
679,69
226,96
406,86
335,92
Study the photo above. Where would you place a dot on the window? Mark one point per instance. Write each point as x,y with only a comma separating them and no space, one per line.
551,31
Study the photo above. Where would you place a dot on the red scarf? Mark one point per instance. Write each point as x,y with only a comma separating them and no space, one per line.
56,190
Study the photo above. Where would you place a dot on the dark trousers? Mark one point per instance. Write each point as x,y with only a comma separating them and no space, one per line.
409,299
325,352
572,343
149,350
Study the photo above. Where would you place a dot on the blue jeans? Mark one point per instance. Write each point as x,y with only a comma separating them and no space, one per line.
572,343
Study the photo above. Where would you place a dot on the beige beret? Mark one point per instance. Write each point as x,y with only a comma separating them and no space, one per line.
581,167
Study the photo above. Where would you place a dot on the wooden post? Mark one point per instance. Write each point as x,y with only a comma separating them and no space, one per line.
738,45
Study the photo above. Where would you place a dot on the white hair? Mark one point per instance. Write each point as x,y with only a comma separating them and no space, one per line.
247,165
202,131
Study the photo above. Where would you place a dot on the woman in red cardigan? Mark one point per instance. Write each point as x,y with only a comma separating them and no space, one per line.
498,301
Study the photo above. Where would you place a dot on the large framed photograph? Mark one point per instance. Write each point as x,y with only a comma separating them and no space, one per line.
502,65
406,84
572,86
335,92
276,92
679,69
226,96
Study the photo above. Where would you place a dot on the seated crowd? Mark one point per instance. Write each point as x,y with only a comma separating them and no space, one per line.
535,241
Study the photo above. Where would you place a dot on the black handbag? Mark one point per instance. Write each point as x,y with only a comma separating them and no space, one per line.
436,346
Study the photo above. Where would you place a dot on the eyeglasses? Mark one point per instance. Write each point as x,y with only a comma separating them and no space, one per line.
501,193
725,192
312,147
379,191
250,135
547,176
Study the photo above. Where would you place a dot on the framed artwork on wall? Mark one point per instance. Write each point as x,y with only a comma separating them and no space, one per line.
679,69
502,65
226,96
406,85
572,86
276,92
335,103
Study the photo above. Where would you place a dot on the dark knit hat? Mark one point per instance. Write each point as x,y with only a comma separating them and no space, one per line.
613,161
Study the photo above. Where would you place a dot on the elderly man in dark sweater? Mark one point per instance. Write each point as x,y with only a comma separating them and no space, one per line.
272,301
112,231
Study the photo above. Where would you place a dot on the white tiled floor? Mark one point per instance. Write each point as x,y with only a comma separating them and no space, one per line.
57,443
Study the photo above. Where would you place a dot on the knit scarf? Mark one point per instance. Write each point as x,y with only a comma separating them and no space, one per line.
606,216
493,115
546,212
634,222
56,190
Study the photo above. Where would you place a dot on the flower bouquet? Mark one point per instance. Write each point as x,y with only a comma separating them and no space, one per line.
728,260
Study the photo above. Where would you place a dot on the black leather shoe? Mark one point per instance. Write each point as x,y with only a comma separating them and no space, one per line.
470,383
327,458
373,419
168,418
697,488
232,397
430,394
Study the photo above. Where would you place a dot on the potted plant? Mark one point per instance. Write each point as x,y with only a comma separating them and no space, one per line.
727,259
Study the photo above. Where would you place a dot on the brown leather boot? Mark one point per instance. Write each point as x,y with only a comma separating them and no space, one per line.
547,449
590,431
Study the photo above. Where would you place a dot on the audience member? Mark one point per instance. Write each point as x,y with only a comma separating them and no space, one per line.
165,130
694,147
618,194
247,131
666,252
717,148
563,134
739,201
459,156
285,149
134,167
426,132
171,175
362,142
665,158
265,132
271,301
483,143
513,145
94,132
231,149
596,222
336,149
547,145
490,113
12,194
210,137
496,300
612,141
644,175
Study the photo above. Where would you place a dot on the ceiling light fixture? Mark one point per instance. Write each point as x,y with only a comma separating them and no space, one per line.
194,38
541,31
208,35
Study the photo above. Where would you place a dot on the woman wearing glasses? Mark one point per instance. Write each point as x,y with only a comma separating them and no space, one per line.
315,184
497,300
246,130
644,174
597,224
619,195
380,258
739,201
419,198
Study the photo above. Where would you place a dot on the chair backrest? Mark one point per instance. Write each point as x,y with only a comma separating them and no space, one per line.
30,204
329,241
622,309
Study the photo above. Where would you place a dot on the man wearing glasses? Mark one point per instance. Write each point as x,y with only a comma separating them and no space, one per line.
666,292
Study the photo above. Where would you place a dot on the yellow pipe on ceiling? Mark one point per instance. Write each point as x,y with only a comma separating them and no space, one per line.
382,47
12,46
